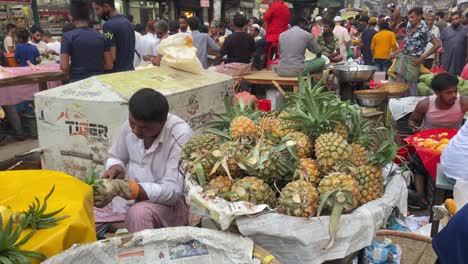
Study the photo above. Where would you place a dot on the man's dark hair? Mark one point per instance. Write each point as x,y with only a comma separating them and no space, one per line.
381,16
385,26
79,9
239,20
148,105
254,19
416,10
194,23
455,13
204,29
140,28
295,21
222,25
364,19
174,27
10,26
183,17
443,81
47,34
92,23
111,3
36,28
22,35
440,14
330,23
67,27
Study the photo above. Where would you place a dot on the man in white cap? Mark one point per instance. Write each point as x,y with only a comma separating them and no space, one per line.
318,28
343,37
255,33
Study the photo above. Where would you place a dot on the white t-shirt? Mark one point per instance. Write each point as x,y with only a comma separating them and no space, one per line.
455,154
147,45
41,46
54,46
8,42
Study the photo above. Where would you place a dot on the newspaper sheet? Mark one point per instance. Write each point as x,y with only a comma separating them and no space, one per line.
165,246
299,240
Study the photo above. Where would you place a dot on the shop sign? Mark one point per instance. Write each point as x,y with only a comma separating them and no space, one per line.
15,1
246,4
204,3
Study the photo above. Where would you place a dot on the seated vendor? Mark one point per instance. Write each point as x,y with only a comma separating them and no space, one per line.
292,48
445,109
144,188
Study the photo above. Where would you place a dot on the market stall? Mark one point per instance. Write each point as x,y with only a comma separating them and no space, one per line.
18,84
16,12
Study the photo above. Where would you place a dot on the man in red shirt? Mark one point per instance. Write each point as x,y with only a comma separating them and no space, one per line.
277,19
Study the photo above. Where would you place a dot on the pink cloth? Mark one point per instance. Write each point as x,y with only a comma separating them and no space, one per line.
145,215
317,31
12,95
436,118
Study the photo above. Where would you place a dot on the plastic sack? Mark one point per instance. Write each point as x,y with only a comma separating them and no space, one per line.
430,158
179,53
385,253
460,194
464,73
18,190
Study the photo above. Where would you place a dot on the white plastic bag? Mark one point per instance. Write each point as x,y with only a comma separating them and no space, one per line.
179,53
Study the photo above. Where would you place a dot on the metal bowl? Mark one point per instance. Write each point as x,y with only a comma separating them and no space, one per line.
370,102
354,73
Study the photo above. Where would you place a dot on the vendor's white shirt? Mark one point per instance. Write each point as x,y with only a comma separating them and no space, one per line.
147,45
455,155
155,169
41,46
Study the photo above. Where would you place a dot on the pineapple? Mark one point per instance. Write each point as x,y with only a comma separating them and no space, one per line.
254,190
285,123
242,126
219,186
224,159
370,177
303,146
307,170
92,180
199,145
330,149
272,126
339,193
342,130
10,242
298,198
360,155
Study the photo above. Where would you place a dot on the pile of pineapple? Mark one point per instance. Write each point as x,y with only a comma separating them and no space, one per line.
317,155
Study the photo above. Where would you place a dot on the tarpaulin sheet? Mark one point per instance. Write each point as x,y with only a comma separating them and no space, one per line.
18,189
430,158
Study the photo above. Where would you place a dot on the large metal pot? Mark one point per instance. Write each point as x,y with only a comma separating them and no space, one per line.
354,73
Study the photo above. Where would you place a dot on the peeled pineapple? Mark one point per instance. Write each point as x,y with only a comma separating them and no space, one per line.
298,198
329,149
360,155
254,190
371,183
242,126
339,193
303,146
307,170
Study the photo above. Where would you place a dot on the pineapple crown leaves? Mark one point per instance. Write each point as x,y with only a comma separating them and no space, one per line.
359,127
40,220
200,173
91,180
9,244
386,150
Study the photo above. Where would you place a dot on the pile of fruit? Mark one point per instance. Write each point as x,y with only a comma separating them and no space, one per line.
425,80
13,224
436,143
317,155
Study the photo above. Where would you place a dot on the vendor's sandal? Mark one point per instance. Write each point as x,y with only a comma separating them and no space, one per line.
417,201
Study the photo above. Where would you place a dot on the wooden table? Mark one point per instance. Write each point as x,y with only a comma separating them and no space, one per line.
41,78
272,78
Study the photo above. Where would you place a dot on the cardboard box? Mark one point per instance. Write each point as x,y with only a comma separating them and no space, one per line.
77,123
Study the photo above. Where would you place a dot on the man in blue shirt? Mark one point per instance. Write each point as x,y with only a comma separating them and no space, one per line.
25,51
84,51
119,34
